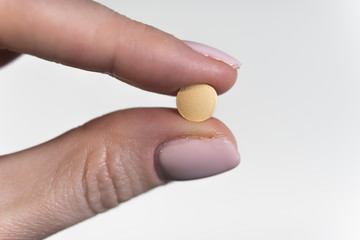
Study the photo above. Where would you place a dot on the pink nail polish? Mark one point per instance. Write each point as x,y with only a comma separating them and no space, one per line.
189,158
214,53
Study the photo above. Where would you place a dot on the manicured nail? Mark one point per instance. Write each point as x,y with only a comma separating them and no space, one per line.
214,53
189,158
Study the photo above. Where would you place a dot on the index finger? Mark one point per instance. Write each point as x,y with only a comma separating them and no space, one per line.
87,35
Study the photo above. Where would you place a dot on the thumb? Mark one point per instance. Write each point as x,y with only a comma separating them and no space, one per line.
103,163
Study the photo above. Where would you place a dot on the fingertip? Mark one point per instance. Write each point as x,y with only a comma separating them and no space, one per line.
220,69
208,69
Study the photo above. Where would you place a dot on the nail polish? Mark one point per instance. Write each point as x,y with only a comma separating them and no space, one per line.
214,53
186,159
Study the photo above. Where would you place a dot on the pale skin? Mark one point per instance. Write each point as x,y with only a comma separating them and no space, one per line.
109,160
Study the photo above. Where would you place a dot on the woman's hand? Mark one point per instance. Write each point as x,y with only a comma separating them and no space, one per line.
113,158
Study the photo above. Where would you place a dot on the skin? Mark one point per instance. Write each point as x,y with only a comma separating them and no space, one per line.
109,160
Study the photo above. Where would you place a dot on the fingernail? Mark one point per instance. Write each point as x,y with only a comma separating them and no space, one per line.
187,159
214,53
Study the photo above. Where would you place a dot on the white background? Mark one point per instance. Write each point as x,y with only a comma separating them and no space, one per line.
294,111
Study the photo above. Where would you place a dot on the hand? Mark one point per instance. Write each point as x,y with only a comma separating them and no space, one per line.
113,158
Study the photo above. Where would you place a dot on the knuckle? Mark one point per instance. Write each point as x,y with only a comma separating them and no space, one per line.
109,177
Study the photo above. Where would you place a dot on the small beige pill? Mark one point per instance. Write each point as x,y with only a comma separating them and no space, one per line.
196,102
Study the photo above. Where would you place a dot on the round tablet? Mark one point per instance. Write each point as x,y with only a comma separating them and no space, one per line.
196,102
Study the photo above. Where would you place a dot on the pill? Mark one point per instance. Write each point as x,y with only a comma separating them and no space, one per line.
196,102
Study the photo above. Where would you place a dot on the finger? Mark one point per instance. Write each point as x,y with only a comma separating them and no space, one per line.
7,56
105,162
87,35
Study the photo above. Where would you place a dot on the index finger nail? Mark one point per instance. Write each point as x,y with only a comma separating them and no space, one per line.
214,53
